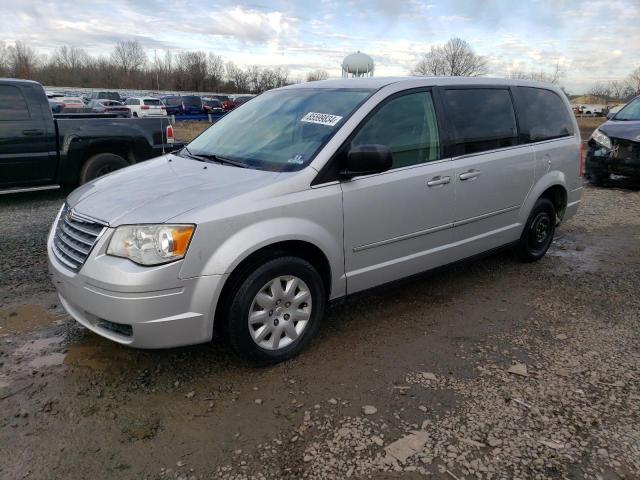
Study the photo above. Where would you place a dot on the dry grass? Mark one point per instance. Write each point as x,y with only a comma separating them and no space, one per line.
187,131
588,125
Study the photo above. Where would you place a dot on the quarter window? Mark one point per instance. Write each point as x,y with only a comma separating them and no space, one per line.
481,119
542,115
13,105
408,126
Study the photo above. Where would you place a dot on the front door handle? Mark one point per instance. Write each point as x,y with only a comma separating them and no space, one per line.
35,132
470,175
438,181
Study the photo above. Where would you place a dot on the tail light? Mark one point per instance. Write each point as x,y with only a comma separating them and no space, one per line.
170,136
145,107
582,154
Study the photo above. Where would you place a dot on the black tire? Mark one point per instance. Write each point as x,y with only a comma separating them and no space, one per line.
538,232
249,285
101,164
135,115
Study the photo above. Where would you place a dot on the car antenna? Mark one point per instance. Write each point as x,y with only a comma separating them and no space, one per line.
162,130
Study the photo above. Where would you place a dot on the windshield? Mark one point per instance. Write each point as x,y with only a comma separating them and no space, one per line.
631,111
281,130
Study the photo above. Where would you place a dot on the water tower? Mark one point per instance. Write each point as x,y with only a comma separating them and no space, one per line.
357,65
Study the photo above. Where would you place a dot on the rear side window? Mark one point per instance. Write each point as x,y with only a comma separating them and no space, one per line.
480,119
13,105
408,126
172,101
542,115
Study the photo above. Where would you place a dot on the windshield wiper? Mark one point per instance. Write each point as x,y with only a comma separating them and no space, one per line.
223,160
186,150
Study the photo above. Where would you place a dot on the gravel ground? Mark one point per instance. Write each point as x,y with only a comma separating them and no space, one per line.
489,370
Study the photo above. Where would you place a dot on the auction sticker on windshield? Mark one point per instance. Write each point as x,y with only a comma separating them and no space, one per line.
321,118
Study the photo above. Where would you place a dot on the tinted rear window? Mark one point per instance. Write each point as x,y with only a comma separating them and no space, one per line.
481,119
152,101
110,96
13,105
542,115
192,101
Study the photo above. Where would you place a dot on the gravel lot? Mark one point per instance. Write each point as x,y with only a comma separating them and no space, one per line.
491,369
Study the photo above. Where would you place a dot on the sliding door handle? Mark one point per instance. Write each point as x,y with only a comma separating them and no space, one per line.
438,181
470,175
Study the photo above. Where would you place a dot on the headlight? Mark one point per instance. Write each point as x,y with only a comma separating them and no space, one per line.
601,138
151,244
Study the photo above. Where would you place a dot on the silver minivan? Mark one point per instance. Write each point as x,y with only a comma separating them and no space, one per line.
309,193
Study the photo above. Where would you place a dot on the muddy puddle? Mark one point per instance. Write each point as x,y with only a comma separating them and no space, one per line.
24,318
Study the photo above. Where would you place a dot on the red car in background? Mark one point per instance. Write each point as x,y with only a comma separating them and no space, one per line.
227,103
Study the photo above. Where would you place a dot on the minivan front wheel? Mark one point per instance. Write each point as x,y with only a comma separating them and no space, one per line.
538,232
276,310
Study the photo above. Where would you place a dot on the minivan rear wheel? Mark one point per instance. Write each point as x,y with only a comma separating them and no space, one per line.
538,231
276,310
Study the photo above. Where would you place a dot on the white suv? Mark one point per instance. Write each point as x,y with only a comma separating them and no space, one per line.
146,107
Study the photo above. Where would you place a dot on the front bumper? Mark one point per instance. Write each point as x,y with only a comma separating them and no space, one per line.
144,307
624,159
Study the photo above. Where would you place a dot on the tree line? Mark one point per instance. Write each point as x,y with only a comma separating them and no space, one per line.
129,66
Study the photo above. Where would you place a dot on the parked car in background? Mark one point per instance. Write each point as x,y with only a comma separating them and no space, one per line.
227,103
72,104
104,95
611,111
614,147
242,100
55,105
146,107
109,106
182,104
212,105
595,110
39,151
311,193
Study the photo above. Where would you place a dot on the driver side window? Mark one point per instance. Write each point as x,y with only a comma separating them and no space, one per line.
408,126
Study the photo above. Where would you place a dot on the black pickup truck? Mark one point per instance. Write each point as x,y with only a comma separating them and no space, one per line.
41,151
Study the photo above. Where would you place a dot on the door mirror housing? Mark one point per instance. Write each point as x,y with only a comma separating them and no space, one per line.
367,160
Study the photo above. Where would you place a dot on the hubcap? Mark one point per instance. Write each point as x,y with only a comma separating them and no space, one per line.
280,312
540,229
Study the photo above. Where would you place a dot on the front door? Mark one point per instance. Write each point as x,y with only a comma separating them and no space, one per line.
26,140
398,223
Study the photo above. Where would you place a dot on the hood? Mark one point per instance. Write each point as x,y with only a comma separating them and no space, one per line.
157,190
626,130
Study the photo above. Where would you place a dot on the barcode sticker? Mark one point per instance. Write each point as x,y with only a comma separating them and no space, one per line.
321,119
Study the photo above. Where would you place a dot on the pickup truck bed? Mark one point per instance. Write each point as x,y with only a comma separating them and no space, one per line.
39,150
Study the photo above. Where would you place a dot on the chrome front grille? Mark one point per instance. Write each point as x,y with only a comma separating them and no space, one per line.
75,237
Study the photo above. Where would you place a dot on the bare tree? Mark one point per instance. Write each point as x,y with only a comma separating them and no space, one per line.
70,58
4,60
616,89
215,70
23,60
600,91
633,82
454,58
129,56
555,76
316,75
237,77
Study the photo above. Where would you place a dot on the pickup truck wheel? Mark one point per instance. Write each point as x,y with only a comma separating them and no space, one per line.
100,165
276,310
538,232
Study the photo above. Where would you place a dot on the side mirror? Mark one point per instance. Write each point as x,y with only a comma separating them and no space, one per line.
366,160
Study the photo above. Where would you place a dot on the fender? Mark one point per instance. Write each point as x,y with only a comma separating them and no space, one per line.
549,179
253,237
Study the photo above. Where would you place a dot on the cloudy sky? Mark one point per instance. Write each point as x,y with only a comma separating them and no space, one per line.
592,40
